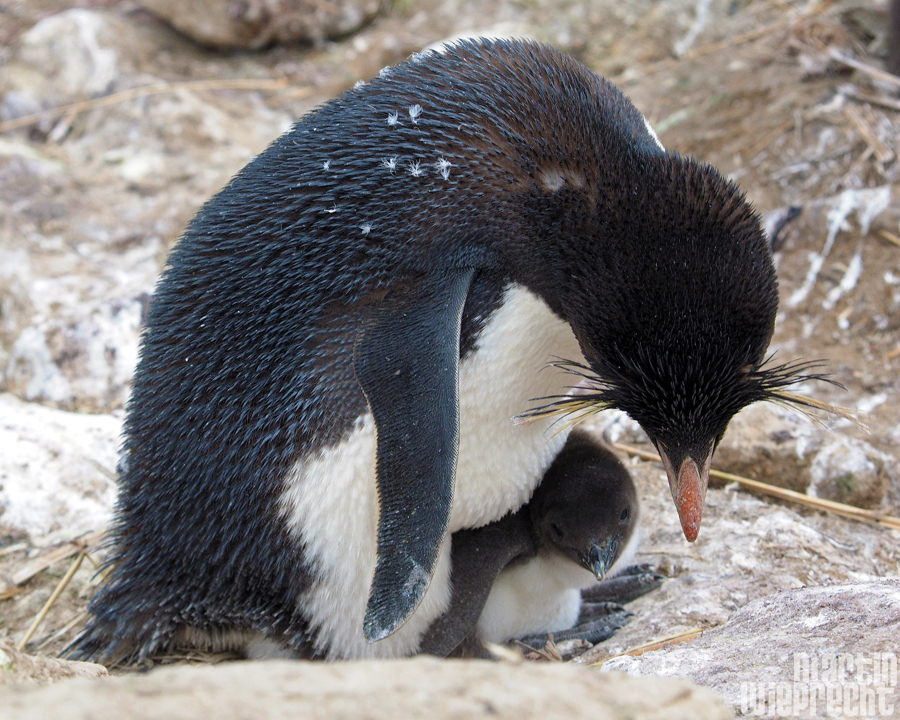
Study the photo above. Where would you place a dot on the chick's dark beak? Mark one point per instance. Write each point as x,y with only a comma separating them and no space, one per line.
601,557
688,484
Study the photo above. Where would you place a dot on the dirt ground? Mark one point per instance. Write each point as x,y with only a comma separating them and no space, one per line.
784,96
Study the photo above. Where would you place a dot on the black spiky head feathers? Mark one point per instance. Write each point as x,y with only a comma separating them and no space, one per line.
686,306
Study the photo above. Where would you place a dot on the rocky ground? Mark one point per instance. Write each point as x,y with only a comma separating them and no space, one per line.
114,128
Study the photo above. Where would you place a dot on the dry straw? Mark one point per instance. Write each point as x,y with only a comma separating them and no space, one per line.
783,493
133,93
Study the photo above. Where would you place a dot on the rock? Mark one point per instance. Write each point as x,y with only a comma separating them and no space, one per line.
91,217
56,468
849,471
804,652
94,201
18,667
74,49
368,690
254,24
770,444
774,445
748,548
83,363
66,57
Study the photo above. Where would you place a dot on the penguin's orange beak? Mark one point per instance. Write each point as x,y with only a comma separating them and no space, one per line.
688,484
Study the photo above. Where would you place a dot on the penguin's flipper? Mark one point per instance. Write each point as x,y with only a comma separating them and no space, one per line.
406,360
477,557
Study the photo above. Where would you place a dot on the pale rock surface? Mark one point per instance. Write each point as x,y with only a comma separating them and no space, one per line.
80,357
66,57
795,639
256,23
770,444
56,468
90,211
851,471
778,446
748,548
18,667
92,202
369,690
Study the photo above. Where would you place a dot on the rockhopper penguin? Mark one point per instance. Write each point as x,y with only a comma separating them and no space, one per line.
336,352
523,574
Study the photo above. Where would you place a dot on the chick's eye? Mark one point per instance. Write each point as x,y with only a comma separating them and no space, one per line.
624,515
555,529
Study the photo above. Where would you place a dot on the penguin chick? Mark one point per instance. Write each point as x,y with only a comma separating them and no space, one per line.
524,574
336,348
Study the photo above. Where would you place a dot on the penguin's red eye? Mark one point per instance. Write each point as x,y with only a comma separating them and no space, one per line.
624,515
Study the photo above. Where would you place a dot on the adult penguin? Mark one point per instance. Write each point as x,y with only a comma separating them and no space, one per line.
336,351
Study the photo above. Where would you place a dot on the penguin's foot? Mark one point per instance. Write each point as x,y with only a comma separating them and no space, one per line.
591,611
601,608
596,630
630,584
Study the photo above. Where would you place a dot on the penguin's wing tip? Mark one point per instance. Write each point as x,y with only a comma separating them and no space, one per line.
387,611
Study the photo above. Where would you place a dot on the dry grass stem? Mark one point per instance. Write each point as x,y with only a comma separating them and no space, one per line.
676,639
86,543
783,493
155,89
15,547
11,591
51,600
631,74
882,152
865,97
890,237
548,652
74,622
863,67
